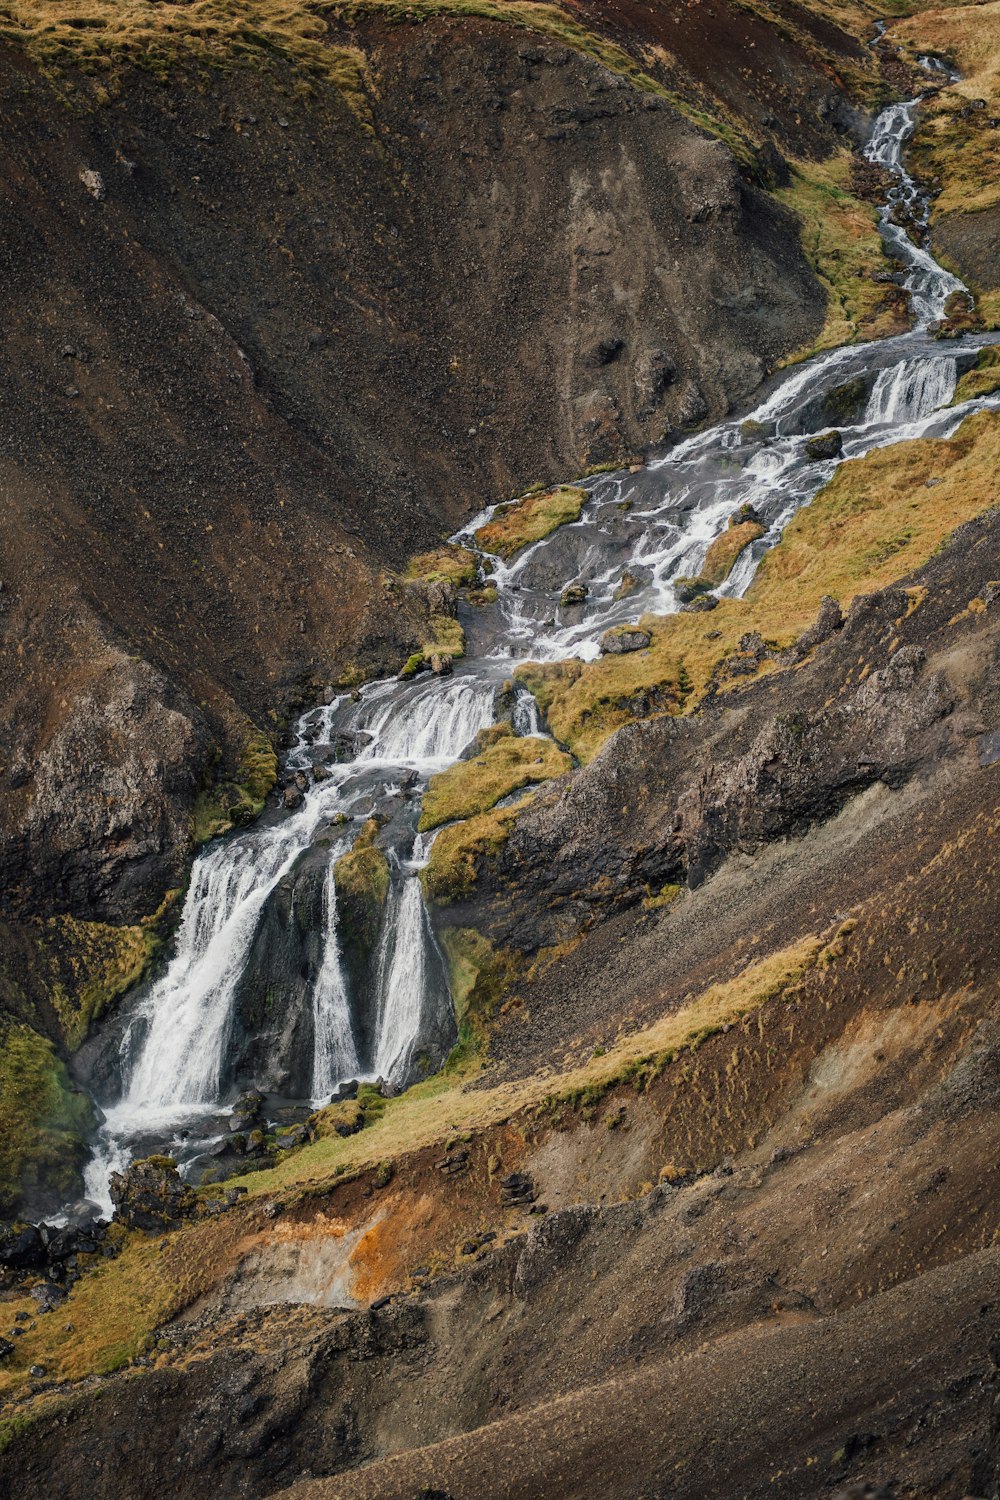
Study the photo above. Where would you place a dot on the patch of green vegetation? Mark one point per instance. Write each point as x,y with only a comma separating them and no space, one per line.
450,564
983,379
89,965
233,802
362,881
481,977
665,896
877,520
44,1121
841,240
451,872
528,520
474,786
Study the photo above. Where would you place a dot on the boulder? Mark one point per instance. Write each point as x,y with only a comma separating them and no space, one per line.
621,639
246,1110
441,666
744,513
825,445
575,593
292,797
21,1247
151,1194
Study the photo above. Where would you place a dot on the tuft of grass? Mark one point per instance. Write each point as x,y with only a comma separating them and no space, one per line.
983,379
474,786
876,521
841,241
522,522
450,564
728,546
362,880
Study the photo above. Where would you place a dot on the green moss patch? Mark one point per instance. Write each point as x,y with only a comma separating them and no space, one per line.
522,522
481,977
44,1122
235,801
474,786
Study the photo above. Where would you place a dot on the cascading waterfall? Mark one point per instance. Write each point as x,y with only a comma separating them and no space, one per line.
335,1054
912,389
377,752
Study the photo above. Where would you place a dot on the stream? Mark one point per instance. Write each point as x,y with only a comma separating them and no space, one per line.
260,987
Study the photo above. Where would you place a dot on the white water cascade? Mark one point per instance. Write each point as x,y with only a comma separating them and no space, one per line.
378,750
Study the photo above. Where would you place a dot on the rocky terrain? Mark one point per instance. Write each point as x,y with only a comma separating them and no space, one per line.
704,1199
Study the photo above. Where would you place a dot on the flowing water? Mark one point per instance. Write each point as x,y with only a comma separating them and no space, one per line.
176,1065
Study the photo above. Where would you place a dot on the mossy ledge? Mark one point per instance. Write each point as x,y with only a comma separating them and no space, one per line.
44,1121
518,524
878,519
474,786
233,801
451,872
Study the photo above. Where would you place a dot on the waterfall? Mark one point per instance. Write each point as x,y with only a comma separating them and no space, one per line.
911,389
187,1013
440,719
335,1055
373,752
402,980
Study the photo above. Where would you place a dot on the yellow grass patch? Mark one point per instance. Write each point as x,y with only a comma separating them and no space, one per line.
474,786
522,522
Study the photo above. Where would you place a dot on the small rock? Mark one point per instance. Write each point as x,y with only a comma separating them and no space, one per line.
292,797
701,605
824,445
6,1349
576,593
621,639
37,1371
94,183
320,772
441,666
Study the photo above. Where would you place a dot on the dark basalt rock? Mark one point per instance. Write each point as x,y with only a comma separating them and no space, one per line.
21,1247
825,445
621,639
151,1195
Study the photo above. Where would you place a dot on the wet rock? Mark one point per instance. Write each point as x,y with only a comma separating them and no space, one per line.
701,605
621,639
6,1349
746,513
246,1110
48,1296
21,1247
441,666
319,772
346,1090
347,745
292,797
690,589
753,432
824,446
151,1195
576,593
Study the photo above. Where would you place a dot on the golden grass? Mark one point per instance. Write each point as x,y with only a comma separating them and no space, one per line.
874,522
840,238
727,547
474,786
450,873
522,522
454,565
983,379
